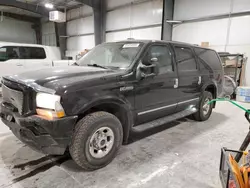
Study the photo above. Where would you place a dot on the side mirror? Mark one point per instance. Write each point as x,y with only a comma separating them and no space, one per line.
148,62
148,71
154,60
145,68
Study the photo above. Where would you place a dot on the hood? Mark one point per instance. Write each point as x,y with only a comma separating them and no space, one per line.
58,76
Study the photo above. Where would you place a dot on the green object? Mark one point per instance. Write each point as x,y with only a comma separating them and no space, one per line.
233,102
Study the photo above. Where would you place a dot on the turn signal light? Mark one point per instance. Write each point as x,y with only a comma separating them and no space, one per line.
50,114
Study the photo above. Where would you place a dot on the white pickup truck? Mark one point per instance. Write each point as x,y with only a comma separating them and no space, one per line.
17,57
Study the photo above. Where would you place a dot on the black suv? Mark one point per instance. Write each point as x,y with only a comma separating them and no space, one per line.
118,88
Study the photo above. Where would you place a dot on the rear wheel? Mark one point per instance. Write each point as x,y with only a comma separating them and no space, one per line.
204,109
96,140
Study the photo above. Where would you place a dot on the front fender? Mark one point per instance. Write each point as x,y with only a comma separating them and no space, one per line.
103,100
111,100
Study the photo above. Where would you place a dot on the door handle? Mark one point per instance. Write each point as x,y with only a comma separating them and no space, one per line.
19,65
199,80
176,83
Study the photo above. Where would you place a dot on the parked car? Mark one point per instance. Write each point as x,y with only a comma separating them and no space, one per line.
17,57
116,89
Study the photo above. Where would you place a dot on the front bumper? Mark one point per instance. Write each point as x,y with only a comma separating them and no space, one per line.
49,137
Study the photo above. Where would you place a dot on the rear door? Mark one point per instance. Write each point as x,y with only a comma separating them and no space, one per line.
189,83
34,58
210,67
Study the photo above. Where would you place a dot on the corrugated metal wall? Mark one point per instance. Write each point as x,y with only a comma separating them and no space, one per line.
48,34
140,20
125,19
80,29
12,30
229,34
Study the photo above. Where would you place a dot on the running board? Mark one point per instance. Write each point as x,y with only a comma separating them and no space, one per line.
163,120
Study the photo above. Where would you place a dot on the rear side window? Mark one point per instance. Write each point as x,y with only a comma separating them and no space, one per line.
185,59
18,52
208,58
32,53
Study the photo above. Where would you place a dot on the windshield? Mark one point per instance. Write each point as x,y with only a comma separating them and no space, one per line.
116,55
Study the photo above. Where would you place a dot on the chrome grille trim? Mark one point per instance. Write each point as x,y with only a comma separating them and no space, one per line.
13,97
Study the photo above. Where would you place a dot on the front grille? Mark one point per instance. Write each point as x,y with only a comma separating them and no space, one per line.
13,97
19,96
13,85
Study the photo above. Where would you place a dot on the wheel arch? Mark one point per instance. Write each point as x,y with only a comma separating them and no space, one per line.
211,87
116,107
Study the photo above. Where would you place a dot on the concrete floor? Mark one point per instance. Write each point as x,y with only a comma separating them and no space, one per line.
180,154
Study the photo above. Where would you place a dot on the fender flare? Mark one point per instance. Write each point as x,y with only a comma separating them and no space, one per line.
213,83
206,85
123,104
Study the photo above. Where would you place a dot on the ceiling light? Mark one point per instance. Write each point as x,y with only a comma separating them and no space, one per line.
174,21
49,5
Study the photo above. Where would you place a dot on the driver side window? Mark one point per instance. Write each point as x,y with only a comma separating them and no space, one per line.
3,54
164,58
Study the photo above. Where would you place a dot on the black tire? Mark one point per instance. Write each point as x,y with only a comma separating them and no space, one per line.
201,115
85,128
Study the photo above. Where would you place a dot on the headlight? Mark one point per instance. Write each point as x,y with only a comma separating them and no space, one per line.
45,100
50,104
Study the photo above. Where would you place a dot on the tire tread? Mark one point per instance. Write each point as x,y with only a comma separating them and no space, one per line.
82,129
198,116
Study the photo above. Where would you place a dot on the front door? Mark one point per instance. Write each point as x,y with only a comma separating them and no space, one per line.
10,62
155,97
189,83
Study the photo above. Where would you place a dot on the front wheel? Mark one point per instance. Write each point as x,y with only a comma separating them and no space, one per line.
96,140
204,109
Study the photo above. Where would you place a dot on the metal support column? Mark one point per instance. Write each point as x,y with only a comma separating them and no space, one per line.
60,37
37,28
168,12
99,10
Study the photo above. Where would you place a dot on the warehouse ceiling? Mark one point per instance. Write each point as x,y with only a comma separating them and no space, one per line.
19,11
59,4
38,6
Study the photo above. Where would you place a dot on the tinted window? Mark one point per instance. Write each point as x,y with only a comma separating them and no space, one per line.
3,54
163,54
32,53
16,52
9,52
208,58
185,59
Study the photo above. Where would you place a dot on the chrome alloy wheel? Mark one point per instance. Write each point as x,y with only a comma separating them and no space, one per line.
206,106
101,142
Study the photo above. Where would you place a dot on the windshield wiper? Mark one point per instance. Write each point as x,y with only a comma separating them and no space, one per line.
75,64
96,65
